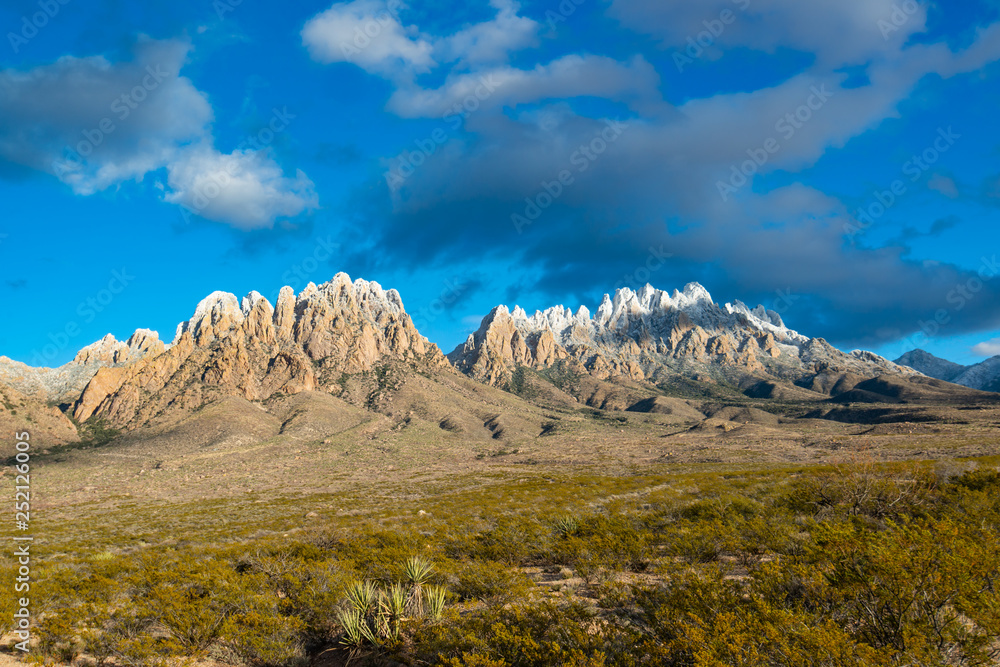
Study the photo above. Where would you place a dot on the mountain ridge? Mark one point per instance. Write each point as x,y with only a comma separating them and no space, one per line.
354,340
649,334
984,376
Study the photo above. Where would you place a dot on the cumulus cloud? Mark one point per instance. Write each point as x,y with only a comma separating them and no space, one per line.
491,41
657,185
839,32
371,35
95,124
244,188
566,77
368,33
989,348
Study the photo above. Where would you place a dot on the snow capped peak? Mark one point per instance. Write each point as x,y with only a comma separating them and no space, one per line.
251,300
109,350
216,308
649,312
215,302
359,293
142,335
308,291
604,310
104,349
697,292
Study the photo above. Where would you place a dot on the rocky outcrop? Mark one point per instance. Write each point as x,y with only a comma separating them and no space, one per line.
251,349
651,335
63,385
110,352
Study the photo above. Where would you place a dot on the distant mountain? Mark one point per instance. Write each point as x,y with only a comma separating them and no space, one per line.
63,385
346,352
984,376
931,366
654,336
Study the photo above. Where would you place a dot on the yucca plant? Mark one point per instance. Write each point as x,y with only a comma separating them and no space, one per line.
363,596
394,600
392,608
355,626
418,572
435,599
566,526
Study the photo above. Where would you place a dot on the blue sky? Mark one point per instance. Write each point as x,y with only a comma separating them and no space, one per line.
838,161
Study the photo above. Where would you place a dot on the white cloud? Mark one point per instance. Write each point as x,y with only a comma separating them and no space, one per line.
95,124
491,41
371,35
838,31
245,189
666,166
367,33
568,77
990,348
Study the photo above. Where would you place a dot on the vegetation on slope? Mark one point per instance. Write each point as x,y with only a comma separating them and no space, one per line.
858,564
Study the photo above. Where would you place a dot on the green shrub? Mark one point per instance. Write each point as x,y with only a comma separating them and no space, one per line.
979,480
922,589
701,618
541,635
489,581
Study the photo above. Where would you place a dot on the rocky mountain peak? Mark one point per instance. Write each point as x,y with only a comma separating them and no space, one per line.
108,351
649,334
930,365
249,348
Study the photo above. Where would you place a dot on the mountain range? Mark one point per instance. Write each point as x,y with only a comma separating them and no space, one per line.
984,376
348,348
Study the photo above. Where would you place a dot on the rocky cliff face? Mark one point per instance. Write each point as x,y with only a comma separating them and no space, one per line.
63,385
254,350
651,335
